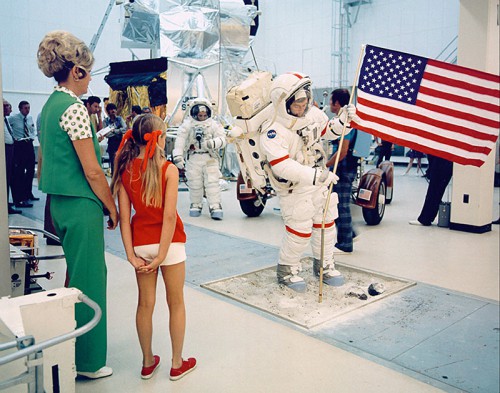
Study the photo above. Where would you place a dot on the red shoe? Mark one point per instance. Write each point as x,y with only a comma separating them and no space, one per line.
187,366
148,372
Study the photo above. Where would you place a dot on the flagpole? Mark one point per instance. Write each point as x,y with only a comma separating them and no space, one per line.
330,188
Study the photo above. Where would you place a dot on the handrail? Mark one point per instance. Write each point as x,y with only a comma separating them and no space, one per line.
64,337
48,234
37,257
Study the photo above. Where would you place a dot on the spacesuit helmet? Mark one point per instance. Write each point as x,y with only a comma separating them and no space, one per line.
200,110
291,96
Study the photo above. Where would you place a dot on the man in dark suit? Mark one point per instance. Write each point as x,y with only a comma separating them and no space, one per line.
23,131
9,151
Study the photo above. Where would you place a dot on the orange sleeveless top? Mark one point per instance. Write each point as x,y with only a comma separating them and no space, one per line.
147,221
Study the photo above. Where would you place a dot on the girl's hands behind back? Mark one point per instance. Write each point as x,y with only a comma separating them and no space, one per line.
138,263
151,267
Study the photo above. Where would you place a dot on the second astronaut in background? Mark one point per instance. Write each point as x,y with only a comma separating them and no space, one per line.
197,146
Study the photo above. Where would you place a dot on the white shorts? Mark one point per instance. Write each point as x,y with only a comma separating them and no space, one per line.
176,253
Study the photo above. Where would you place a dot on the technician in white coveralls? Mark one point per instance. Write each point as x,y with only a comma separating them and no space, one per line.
201,137
293,148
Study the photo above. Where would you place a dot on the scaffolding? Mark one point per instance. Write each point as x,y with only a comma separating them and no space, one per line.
344,16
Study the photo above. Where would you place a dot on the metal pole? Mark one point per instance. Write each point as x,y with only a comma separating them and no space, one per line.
96,36
335,165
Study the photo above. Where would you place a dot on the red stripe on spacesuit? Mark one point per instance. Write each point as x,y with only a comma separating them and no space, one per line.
297,75
329,225
324,130
278,160
293,231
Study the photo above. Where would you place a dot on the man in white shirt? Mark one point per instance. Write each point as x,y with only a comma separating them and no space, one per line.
9,150
23,131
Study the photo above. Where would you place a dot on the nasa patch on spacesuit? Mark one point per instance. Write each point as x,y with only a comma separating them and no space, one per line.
271,134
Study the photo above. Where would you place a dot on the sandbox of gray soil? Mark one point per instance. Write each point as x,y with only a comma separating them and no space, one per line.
260,289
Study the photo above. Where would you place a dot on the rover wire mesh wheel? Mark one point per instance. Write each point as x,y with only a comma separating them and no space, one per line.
375,215
253,207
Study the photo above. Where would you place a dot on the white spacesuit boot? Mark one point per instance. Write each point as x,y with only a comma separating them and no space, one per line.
212,188
289,276
195,210
216,212
331,276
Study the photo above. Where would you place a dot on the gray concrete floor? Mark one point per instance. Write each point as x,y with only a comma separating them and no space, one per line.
441,335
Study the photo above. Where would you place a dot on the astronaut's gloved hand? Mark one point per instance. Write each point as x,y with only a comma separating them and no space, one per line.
179,162
325,177
208,144
235,132
351,111
347,114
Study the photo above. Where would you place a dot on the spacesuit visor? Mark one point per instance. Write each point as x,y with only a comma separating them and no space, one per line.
201,112
299,102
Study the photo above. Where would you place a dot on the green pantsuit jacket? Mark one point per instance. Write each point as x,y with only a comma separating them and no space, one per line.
78,219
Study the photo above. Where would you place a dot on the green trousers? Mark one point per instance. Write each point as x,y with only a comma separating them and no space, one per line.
79,225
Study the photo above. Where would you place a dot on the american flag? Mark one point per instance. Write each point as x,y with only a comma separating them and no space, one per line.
427,105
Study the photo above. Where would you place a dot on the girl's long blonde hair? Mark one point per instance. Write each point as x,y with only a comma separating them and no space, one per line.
151,185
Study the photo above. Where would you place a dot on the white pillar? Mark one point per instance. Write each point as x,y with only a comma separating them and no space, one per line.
4,218
478,47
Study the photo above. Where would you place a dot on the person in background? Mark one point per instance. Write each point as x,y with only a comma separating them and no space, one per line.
146,109
134,112
385,150
23,131
154,237
9,151
105,102
346,171
71,174
115,136
201,137
414,154
95,111
440,173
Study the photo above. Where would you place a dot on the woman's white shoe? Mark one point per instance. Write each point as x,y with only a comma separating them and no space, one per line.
101,373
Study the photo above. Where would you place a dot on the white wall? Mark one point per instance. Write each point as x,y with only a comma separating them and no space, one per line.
297,35
293,36
23,23
422,27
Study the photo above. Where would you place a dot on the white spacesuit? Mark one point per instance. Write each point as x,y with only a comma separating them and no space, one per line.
297,171
201,137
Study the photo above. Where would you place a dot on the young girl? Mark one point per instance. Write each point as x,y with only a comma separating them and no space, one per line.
414,154
154,237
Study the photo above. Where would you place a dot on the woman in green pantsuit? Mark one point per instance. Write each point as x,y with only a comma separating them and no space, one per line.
73,177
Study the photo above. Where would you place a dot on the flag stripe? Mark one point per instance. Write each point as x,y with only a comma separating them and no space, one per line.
461,84
460,99
424,134
438,142
462,92
423,117
464,70
458,114
464,112
447,155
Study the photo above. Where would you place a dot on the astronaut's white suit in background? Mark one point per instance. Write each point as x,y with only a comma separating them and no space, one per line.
293,148
201,140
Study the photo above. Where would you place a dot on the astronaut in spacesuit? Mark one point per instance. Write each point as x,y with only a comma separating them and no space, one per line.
199,139
296,166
